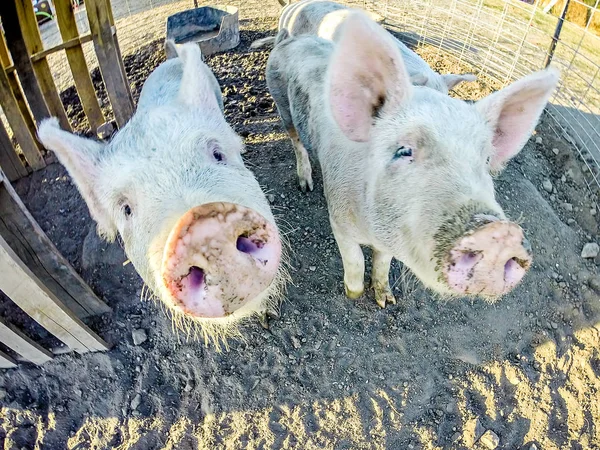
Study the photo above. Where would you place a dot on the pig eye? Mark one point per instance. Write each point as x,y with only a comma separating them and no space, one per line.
219,157
127,210
403,153
217,154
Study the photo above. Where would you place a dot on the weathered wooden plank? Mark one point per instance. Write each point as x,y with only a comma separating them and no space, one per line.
28,144
62,46
17,341
22,286
6,362
22,64
109,60
9,160
33,42
28,240
79,68
16,87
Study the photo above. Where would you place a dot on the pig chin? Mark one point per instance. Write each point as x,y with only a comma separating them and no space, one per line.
479,254
220,262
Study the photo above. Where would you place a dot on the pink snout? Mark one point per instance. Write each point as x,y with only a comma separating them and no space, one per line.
489,261
219,257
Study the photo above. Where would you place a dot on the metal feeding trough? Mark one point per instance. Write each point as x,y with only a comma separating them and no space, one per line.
214,28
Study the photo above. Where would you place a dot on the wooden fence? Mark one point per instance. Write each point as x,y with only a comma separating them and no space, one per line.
33,274
27,90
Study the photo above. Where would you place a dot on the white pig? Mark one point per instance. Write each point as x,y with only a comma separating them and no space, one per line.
323,19
172,183
406,169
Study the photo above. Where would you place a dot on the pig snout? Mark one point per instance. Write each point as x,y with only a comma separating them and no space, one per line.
218,257
489,260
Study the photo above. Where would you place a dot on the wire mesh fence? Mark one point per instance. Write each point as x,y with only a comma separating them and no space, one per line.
499,40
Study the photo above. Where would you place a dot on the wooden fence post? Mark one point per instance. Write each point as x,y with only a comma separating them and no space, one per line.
9,160
6,61
28,143
30,294
79,68
21,61
25,237
33,43
109,60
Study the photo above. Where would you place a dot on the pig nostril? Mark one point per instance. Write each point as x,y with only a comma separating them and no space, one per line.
467,260
246,245
196,277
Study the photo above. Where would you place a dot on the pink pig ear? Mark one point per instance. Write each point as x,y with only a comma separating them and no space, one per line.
514,111
79,156
366,75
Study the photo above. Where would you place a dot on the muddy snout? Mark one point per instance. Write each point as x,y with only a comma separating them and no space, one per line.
489,260
218,257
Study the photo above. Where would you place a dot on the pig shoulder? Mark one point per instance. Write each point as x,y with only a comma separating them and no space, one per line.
297,70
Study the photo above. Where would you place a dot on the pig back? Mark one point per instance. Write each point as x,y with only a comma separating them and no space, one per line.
162,86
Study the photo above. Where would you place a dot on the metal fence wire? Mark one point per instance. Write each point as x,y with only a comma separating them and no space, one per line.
499,40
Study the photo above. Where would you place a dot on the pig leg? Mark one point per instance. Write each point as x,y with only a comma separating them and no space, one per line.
354,263
278,89
380,278
303,166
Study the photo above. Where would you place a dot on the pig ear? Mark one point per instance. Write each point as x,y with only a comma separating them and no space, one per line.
453,80
366,76
514,111
79,156
196,88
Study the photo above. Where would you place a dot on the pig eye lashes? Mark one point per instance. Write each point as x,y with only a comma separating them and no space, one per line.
403,152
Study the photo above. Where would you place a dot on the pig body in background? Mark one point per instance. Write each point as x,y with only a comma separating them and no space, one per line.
406,169
172,184
323,19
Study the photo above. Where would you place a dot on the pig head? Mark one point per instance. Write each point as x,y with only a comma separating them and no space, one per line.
193,219
407,170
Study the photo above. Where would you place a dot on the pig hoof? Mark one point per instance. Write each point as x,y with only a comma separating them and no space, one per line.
384,296
353,294
306,185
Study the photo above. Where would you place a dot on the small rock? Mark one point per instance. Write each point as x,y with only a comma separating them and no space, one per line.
590,250
555,151
490,440
188,386
547,185
570,221
312,268
533,447
563,179
271,198
136,401
567,207
593,211
538,140
139,336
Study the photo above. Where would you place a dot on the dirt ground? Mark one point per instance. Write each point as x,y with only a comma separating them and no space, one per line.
330,373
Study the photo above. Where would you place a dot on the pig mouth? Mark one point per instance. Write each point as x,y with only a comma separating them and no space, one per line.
219,257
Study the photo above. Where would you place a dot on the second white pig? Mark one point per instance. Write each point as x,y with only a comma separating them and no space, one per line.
406,170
